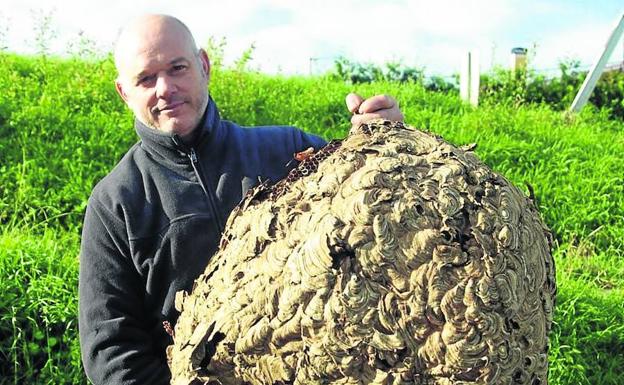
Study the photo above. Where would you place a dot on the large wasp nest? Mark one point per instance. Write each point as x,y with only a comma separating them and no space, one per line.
391,257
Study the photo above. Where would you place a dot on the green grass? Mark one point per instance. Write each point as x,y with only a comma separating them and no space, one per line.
62,128
38,301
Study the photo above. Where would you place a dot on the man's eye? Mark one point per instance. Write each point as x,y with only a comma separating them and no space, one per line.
179,67
146,79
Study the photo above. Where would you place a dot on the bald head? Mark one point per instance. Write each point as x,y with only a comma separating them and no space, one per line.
162,76
146,33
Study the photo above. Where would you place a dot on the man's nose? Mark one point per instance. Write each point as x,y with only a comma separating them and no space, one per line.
165,86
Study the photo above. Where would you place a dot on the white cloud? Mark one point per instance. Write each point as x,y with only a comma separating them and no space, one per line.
421,33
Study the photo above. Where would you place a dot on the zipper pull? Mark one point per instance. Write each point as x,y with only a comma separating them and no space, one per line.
193,155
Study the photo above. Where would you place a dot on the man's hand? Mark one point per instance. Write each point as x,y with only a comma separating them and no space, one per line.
376,107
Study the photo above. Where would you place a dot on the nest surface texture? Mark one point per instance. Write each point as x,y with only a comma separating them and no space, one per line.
391,257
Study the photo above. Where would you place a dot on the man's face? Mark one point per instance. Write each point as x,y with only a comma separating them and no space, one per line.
163,79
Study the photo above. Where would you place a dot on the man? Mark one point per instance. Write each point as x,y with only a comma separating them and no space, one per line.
152,224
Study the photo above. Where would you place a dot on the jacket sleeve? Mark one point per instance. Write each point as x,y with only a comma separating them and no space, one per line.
115,343
309,140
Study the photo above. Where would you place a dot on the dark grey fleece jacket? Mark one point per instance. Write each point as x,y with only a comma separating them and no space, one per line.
150,228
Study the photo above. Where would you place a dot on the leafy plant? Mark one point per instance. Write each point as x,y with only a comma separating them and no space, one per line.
365,73
522,87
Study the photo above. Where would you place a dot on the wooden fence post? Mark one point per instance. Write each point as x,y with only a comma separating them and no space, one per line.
469,79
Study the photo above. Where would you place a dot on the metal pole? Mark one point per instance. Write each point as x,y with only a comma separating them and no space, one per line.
594,74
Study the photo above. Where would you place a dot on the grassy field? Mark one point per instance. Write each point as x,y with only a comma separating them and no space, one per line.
62,128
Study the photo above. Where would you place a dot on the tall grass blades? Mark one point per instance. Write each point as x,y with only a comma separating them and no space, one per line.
38,329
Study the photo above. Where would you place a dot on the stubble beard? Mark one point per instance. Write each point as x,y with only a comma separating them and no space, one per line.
151,121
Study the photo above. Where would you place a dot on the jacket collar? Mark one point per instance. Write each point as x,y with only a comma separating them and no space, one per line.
168,146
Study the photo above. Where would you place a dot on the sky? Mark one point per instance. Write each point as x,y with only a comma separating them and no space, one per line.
302,37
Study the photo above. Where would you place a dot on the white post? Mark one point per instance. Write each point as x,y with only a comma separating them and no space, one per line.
474,79
464,79
592,77
469,79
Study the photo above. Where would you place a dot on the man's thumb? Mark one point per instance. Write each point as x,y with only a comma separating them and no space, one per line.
353,101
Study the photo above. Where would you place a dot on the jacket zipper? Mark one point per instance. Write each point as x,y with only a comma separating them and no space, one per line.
200,177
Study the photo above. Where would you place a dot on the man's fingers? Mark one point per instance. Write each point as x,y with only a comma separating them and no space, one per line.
353,102
376,107
376,103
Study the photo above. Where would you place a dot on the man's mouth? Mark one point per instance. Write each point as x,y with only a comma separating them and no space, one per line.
170,107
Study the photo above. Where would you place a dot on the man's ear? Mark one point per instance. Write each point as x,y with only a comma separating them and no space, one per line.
120,90
205,63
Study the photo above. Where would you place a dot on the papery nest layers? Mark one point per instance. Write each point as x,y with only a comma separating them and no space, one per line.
391,257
